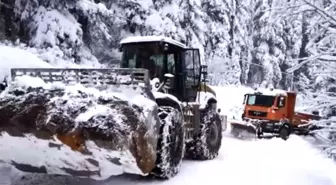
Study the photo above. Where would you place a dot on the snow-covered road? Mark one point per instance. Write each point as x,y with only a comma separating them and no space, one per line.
241,162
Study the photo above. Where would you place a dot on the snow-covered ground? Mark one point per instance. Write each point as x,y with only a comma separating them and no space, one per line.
240,162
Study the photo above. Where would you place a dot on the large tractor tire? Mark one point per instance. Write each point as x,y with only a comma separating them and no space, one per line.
206,144
171,143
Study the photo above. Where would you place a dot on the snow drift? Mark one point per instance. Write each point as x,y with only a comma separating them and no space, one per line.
14,57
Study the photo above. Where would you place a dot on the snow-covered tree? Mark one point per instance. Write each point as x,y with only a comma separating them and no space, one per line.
251,42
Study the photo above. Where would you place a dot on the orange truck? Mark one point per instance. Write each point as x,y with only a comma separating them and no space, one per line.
272,112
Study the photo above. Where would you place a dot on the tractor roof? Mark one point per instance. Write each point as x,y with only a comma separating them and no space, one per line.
139,39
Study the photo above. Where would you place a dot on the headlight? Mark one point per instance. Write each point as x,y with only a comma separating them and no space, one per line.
157,84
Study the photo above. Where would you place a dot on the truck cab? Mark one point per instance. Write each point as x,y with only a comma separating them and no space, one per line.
271,107
270,112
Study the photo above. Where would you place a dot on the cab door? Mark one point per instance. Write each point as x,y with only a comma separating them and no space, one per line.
280,108
192,71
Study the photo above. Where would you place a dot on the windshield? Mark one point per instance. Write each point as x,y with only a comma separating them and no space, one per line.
260,100
145,56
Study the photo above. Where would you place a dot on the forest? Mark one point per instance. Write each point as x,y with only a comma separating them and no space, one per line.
285,44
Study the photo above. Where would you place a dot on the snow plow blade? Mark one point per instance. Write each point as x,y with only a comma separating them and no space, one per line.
243,130
76,130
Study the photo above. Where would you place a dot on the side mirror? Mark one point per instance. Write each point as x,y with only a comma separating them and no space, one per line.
120,49
219,110
155,84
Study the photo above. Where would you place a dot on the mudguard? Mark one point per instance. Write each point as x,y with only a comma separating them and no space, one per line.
206,95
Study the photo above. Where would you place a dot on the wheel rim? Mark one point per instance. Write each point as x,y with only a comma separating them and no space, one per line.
213,135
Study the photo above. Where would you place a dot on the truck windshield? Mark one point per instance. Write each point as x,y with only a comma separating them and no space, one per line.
260,100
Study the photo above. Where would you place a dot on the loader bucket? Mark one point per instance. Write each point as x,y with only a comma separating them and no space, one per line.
243,130
76,130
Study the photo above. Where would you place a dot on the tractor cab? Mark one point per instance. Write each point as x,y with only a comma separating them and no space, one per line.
166,60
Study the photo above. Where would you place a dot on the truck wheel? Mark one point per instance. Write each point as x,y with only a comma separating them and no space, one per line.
284,132
170,147
207,143
259,134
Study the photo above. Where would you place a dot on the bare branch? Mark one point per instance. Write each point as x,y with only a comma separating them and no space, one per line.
299,12
281,8
322,12
5,5
298,66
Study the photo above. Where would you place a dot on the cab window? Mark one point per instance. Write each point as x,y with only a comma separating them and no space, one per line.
189,64
171,63
281,102
192,65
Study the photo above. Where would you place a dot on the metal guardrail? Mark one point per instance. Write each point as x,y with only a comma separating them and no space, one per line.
86,76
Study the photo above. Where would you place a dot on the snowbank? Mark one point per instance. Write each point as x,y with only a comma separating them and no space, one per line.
273,161
17,58
231,99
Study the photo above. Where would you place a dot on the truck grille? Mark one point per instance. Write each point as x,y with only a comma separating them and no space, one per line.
257,113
